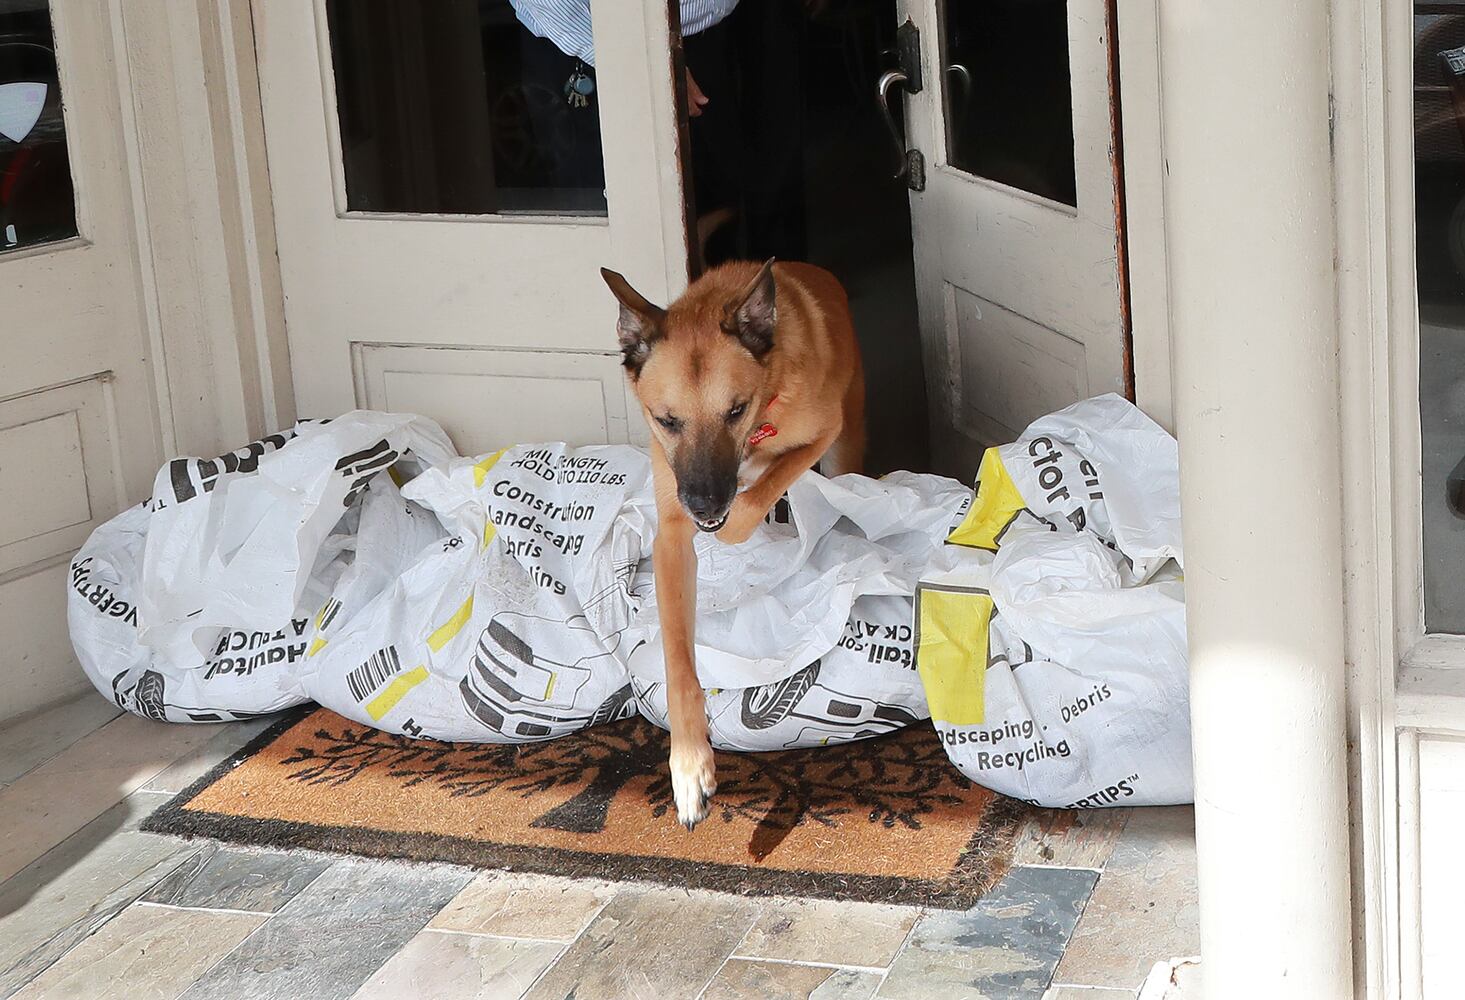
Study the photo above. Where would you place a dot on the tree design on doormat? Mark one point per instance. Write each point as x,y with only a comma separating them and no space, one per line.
894,780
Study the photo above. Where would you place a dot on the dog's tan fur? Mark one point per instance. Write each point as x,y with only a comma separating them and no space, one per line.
778,338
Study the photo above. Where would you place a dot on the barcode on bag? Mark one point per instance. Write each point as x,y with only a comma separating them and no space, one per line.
373,673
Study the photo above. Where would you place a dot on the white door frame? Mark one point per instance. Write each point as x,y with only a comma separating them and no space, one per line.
1404,686
205,234
1373,178
1142,139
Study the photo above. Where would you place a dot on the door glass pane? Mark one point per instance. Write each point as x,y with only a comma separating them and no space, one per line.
1009,113
37,204
467,107
1439,185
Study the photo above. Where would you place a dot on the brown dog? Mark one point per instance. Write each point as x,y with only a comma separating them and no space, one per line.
747,380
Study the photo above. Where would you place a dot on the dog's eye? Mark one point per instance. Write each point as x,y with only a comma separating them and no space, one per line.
672,424
736,411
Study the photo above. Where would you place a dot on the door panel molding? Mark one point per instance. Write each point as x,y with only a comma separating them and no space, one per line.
488,398
61,478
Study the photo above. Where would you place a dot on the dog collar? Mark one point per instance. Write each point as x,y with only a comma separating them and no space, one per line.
765,430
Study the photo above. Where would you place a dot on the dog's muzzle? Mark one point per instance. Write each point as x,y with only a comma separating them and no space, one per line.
707,499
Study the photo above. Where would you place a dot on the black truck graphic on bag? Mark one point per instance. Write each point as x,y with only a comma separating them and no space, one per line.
822,714
528,674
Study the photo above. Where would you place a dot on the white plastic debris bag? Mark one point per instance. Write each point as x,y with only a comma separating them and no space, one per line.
1051,634
507,627
509,598
195,605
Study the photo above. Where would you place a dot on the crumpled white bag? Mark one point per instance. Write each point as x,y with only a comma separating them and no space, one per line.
196,605
1051,636
507,625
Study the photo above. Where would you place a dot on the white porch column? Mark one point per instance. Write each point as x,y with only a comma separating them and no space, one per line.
1249,222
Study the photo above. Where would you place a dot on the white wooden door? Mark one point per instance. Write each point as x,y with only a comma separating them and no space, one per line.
1017,245
79,424
465,284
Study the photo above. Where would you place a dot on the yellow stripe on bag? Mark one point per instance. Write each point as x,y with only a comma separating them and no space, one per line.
316,647
952,643
394,692
480,471
444,633
997,502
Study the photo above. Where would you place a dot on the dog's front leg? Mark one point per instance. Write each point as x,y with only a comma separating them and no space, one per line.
753,504
674,560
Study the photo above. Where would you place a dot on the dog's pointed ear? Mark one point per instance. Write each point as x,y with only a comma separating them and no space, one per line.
752,314
639,324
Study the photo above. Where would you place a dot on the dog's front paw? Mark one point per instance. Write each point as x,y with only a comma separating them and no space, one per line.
741,523
693,780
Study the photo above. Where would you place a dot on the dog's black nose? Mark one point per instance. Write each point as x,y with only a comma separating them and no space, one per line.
708,509
704,508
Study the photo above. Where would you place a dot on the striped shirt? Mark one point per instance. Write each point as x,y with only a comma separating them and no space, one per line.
566,23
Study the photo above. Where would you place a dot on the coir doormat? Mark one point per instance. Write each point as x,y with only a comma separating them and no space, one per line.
885,819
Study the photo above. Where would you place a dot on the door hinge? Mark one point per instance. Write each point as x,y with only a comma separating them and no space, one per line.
915,170
908,54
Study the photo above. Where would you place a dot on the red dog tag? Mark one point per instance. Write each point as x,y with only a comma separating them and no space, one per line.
763,433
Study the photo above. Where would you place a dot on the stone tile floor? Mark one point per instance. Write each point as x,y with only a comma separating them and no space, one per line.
92,907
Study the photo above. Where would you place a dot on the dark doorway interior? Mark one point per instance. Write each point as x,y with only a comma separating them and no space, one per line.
790,158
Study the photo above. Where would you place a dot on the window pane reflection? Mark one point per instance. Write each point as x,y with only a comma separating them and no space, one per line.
467,107
37,204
